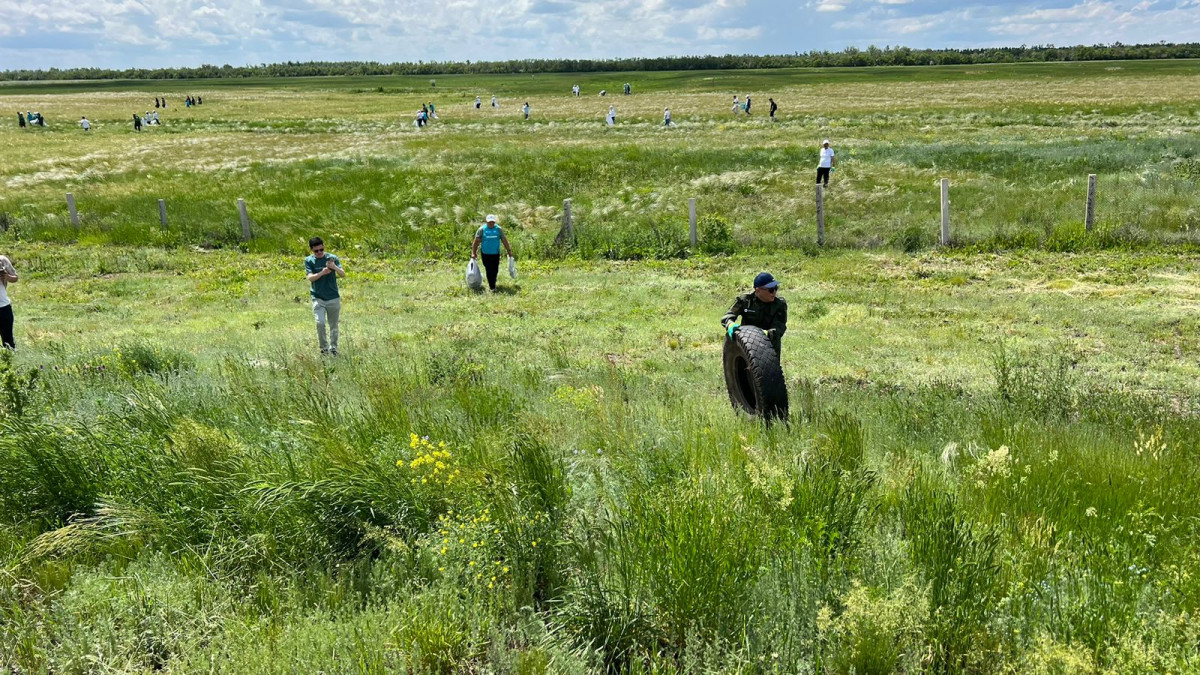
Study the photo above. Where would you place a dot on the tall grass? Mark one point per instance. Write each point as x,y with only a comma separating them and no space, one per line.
370,515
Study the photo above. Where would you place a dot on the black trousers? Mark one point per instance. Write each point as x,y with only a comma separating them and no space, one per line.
491,265
6,327
823,173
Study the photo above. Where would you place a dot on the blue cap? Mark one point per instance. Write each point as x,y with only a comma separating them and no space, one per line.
765,280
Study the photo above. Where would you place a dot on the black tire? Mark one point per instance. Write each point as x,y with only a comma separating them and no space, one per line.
753,375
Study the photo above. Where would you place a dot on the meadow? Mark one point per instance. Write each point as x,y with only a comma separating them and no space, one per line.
990,465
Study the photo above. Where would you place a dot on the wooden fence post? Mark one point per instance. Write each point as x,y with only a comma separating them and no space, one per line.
566,233
71,209
820,216
246,236
1089,214
692,221
162,212
945,212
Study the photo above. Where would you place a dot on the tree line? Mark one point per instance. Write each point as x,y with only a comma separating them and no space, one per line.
848,57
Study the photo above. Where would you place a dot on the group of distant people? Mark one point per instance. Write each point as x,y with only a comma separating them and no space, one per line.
193,100
33,119
427,112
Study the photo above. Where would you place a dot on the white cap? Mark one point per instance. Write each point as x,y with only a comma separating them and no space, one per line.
491,218
825,142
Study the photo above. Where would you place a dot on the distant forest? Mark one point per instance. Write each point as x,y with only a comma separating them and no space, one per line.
849,57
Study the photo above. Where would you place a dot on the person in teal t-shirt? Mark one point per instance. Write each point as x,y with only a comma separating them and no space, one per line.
323,270
487,241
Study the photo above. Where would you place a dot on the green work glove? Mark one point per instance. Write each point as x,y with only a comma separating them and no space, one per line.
730,328
832,169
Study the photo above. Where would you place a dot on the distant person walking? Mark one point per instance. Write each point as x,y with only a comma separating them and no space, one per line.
494,104
83,122
628,89
773,108
8,275
575,89
487,241
747,104
137,123
155,101
526,109
477,103
21,119
323,270
737,105
666,117
825,166
432,110
612,115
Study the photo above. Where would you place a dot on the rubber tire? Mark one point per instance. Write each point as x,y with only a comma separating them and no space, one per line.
753,375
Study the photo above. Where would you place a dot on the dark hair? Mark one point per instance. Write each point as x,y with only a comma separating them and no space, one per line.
315,241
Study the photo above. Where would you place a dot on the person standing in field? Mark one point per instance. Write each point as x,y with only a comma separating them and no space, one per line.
8,275
825,166
526,109
487,241
612,115
494,104
666,117
762,308
323,270
477,103
137,123
773,108
737,105
432,110
21,119
83,122
747,105
575,89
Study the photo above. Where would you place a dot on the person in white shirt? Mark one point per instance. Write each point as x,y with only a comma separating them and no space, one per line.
612,115
575,89
526,109
477,103
737,105
8,275
666,117
156,116
826,164
494,104
83,122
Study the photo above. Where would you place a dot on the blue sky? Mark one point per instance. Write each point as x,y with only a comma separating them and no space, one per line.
163,33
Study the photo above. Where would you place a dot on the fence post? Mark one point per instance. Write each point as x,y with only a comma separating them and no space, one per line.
246,236
945,212
162,212
692,221
820,216
566,234
71,209
1089,215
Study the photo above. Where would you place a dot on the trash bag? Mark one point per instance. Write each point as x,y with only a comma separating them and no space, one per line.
512,267
474,278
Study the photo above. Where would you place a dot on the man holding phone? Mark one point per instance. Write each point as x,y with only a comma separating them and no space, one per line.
323,271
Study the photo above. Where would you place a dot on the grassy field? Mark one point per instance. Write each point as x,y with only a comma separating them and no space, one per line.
990,465
1016,141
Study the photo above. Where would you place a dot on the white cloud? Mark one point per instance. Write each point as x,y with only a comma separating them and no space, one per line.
831,5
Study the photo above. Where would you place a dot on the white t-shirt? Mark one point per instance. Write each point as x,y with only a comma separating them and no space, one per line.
85,124
826,158
7,268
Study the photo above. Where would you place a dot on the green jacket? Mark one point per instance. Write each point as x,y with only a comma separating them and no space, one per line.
764,315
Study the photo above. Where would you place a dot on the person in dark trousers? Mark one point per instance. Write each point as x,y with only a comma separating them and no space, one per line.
773,108
155,101
21,120
762,308
323,271
137,122
826,164
488,240
747,104
8,275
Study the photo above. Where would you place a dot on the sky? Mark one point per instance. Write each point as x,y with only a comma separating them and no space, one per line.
169,33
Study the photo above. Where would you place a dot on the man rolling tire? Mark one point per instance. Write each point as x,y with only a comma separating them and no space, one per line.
753,374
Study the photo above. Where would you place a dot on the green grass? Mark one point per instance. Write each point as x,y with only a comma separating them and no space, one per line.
341,154
987,468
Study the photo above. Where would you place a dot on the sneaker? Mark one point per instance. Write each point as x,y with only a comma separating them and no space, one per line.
333,352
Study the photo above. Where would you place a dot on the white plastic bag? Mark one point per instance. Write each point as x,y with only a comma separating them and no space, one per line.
474,278
512,267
